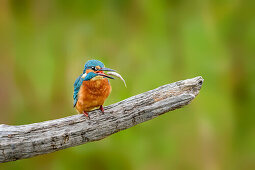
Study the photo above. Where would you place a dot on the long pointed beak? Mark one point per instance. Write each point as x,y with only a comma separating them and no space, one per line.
106,69
111,72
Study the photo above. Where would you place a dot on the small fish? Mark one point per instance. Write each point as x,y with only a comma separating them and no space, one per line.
117,75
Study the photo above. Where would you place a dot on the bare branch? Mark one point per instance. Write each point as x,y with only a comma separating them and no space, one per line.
19,142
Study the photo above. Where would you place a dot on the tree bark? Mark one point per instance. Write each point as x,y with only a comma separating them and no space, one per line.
24,141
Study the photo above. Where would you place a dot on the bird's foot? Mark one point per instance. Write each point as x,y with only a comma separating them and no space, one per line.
102,108
86,114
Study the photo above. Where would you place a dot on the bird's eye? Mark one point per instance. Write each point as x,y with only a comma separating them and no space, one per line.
93,68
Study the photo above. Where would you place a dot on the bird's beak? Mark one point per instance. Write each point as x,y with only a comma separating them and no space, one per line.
106,69
100,72
111,72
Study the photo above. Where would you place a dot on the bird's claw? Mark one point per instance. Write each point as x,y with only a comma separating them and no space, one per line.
102,109
86,114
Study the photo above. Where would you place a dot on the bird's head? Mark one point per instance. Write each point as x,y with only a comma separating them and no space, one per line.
95,69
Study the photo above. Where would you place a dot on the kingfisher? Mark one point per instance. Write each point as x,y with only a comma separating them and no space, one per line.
92,87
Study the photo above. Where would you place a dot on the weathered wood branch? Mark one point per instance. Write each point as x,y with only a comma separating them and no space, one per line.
19,142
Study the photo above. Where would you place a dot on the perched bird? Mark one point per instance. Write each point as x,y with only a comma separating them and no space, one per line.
92,87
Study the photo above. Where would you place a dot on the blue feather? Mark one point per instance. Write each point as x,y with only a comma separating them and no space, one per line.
77,85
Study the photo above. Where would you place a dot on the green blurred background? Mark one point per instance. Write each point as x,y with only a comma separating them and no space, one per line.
44,45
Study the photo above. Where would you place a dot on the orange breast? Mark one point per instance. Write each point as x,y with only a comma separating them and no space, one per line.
92,94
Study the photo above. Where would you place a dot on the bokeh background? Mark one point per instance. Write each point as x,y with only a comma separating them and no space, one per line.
44,45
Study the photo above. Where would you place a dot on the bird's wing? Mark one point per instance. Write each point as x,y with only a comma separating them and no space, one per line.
77,84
